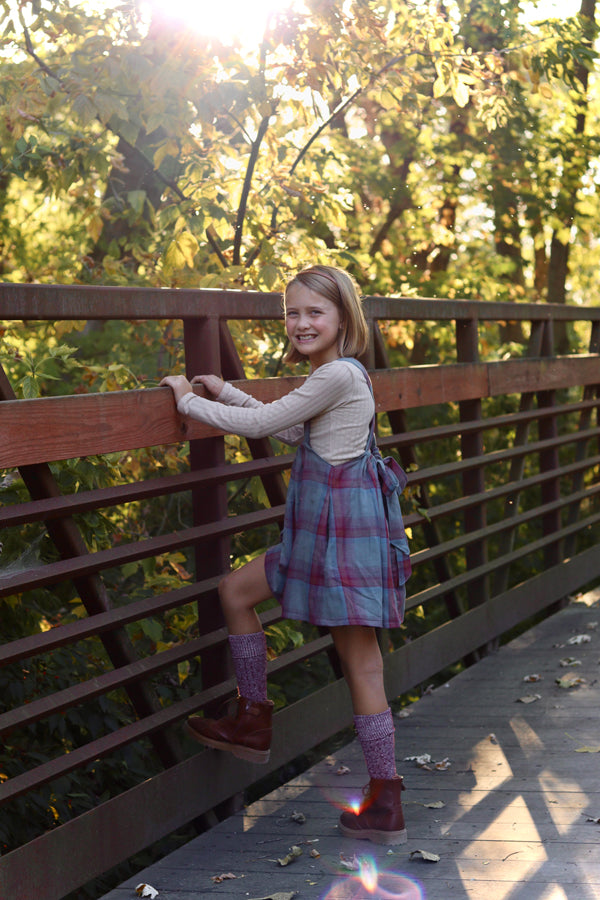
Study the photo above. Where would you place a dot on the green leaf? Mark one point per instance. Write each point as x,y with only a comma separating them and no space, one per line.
30,387
269,276
136,200
84,109
152,629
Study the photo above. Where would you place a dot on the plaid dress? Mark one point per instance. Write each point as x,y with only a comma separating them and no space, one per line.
343,558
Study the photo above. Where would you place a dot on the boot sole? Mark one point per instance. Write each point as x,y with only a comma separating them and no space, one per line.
377,837
256,756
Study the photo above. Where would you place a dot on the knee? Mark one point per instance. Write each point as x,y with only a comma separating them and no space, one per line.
225,590
362,668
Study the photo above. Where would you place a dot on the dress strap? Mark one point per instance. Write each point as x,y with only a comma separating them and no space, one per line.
392,476
359,365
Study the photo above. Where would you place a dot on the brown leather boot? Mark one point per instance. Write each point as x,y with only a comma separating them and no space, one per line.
380,818
247,734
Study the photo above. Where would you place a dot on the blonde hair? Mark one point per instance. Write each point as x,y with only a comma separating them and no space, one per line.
339,288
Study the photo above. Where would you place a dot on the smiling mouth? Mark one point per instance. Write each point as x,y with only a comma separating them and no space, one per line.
306,337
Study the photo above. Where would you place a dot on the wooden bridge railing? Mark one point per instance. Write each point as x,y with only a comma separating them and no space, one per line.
503,506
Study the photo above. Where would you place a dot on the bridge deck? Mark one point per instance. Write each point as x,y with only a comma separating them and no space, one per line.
519,796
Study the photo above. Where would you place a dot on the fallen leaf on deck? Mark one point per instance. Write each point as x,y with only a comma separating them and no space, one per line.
588,750
492,738
343,770
294,853
298,817
569,661
352,863
532,678
424,761
529,698
437,804
402,714
424,855
146,890
579,639
591,626
314,853
226,876
590,819
570,680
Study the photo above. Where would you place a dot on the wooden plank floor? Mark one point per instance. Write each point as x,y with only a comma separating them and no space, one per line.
518,795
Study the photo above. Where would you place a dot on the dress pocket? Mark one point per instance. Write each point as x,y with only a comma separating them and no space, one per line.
401,567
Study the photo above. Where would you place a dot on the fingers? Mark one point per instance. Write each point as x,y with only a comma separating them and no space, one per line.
181,385
212,383
178,384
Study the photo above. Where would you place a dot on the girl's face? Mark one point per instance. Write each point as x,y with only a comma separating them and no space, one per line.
313,325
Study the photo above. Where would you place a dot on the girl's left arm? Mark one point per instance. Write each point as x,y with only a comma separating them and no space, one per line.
226,393
234,397
325,388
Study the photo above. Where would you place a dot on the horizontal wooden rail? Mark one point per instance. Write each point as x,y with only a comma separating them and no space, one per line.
54,302
101,498
124,420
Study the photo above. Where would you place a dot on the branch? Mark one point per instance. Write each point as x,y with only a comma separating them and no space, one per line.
241,213
346,103
336,112
45,68
211,236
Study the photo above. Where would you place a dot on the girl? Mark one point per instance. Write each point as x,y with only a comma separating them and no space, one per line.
343,559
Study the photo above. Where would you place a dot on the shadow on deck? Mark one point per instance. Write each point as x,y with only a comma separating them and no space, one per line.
513,815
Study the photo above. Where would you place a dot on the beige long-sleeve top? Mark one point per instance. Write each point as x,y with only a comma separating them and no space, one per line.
335,398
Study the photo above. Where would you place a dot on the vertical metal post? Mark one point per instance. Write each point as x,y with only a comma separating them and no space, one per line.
549,461
585,420
209,503
473,481
517,467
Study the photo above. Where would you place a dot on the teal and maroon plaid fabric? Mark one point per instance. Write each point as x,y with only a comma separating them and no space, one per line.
343,558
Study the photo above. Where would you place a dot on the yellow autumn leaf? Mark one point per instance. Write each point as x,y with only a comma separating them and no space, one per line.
181,251
588,750
460,92
94,227
439,87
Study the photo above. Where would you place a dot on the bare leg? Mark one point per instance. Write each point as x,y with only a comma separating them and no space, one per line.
240,592
248,733
362,665
363,669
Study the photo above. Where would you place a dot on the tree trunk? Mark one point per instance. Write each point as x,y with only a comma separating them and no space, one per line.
575,165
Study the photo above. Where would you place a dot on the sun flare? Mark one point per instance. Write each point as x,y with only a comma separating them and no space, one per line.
229,20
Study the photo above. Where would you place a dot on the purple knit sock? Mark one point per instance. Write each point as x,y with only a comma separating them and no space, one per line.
376,736
249,652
